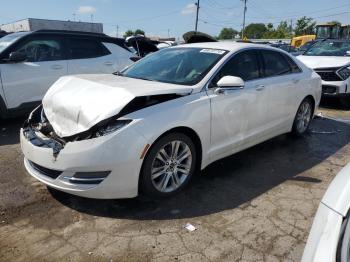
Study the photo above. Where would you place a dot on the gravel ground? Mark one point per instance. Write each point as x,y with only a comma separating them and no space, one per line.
257,205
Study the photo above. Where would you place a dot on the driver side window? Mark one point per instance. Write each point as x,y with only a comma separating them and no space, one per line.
244,65
40,50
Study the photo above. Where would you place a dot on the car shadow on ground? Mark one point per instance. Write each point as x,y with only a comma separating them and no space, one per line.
9,130
230,182
335,103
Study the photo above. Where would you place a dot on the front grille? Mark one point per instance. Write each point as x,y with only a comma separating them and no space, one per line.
329,89
45,171
328,74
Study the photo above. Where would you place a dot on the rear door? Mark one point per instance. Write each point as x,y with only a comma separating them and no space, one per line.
28,81
281,83
90,55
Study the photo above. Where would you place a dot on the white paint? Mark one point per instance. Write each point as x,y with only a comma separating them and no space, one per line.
225,123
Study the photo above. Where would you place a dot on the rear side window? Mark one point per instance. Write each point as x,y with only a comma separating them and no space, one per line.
82,48
244,65
292,64
275,63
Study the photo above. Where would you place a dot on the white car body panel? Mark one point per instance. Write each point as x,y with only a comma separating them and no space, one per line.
116,61
325,232
224,123
324,235
337,196
76,103
324,61
28,81
319,62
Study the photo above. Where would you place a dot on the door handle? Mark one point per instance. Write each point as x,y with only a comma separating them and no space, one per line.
56,67
108,63
260,87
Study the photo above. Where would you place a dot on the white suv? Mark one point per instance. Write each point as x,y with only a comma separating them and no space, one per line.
330,58
30,62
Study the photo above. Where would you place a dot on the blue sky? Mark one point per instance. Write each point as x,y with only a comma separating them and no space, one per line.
158,17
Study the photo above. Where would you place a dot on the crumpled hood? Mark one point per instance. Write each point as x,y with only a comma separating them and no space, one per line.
74,104
324,61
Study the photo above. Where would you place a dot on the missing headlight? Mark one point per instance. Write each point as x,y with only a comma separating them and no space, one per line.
110,127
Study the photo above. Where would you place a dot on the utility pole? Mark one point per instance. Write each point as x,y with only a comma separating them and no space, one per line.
197,4
291,27
74,17
117,31
244,11
92,18
168,33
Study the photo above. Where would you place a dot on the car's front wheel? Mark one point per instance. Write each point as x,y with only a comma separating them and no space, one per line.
168,166
303,117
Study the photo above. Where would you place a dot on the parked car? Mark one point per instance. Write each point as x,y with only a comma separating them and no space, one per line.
30,62
150,127
141,45
329,238
288,48
331,60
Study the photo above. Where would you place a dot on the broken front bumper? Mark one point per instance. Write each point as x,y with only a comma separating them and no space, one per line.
110,164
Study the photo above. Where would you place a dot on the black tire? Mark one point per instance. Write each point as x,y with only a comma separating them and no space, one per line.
147,185
297,130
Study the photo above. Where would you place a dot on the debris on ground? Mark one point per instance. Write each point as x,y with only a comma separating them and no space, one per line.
190,227
323,132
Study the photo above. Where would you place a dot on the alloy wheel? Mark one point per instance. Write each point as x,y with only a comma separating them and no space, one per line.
171,166
303,117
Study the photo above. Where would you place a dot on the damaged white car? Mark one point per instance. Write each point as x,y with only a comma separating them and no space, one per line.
150,127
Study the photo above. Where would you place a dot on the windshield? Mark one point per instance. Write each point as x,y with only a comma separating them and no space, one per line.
329,48
9,39
184,66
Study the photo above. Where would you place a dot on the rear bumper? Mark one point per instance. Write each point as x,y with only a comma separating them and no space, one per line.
118,154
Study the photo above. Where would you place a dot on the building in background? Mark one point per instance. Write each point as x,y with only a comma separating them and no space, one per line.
33,24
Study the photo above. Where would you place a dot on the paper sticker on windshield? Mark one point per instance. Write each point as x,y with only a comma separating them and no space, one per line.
213,51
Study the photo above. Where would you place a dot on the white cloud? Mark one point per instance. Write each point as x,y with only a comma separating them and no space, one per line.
189,9
86,9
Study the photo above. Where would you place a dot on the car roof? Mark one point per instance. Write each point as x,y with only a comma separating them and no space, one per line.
68,32
228,46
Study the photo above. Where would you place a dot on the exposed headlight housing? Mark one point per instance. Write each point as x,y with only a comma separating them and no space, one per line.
344,72
111,126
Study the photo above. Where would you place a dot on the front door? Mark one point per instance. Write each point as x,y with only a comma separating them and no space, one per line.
28,81
237,115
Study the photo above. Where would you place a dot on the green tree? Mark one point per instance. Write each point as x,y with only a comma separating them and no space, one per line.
334,22
139,32
227,33
255,31
128,33
305,26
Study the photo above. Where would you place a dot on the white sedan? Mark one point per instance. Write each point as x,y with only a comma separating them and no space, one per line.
150,127
329,239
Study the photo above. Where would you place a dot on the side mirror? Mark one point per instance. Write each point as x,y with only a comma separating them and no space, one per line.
17,57
229,83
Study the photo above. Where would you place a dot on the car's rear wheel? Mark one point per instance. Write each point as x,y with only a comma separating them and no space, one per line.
168,166
303,117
